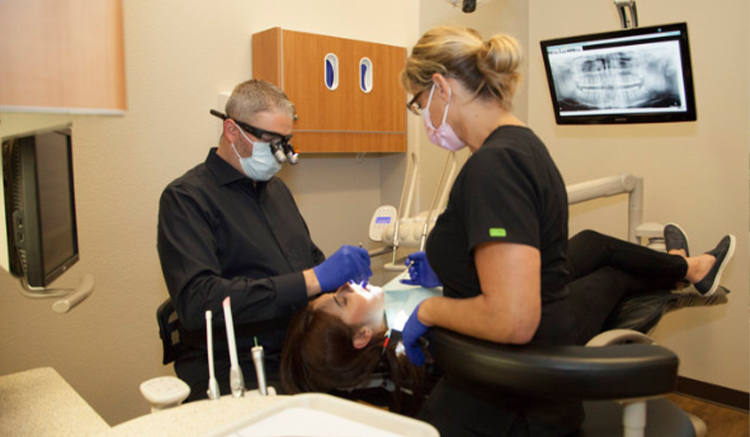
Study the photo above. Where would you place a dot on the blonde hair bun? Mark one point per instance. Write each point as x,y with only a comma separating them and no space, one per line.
489,69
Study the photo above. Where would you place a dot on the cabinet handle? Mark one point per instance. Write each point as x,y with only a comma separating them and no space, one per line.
365,75
331,71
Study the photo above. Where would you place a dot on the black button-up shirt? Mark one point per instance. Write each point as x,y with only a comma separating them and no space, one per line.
221,234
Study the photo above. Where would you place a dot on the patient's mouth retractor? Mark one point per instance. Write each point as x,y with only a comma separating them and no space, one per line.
260,371
213,386
236,381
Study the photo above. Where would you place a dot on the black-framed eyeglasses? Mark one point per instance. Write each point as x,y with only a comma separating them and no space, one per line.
281,148
413,105
264,135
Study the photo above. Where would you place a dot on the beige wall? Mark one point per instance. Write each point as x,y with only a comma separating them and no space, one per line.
695,174
179,55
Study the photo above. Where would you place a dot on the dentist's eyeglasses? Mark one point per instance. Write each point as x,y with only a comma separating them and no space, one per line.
280,146
263,135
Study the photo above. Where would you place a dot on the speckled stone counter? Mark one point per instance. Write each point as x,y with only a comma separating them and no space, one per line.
40,402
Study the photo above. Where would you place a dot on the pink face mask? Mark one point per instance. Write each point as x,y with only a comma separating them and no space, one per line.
443,136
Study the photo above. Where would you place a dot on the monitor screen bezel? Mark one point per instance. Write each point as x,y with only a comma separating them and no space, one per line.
690,113
25,233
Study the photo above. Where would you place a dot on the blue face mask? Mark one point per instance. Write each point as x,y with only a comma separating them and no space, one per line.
262,165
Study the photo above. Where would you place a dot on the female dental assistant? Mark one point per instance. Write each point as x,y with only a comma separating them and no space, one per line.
499,247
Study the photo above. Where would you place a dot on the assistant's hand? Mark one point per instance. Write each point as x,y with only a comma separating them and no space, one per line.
347,263
420,272
413,330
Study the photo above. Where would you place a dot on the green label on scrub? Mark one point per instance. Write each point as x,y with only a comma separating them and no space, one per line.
498,232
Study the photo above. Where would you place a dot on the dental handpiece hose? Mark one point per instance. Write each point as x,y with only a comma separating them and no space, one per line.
213,385
236,380
260,370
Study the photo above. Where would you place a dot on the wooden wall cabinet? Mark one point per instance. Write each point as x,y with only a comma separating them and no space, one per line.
344,119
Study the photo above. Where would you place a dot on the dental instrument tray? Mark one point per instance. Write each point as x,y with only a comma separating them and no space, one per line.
318,415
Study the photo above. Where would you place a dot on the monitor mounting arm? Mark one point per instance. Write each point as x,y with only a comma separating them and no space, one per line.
630,5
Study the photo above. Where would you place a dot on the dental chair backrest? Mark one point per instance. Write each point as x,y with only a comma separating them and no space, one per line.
166,317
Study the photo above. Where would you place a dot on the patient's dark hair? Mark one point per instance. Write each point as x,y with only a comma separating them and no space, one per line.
319,356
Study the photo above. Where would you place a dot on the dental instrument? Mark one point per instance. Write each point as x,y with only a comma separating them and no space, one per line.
213,386
405,274
236,381
363,284
260,370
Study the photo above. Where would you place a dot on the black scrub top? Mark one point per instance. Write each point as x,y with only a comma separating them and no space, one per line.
508,191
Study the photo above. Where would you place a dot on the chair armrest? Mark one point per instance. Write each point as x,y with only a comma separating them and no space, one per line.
588,373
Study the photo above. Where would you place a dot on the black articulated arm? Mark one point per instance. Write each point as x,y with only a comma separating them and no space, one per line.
589,373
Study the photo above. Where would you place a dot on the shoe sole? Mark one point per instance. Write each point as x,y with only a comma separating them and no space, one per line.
684,235
724,262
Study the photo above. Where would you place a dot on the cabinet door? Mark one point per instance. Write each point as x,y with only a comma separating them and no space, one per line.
347,118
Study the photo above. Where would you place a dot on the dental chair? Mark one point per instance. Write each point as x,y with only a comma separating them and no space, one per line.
166,317
620,375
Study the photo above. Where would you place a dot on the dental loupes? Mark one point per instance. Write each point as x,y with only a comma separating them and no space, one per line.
236,381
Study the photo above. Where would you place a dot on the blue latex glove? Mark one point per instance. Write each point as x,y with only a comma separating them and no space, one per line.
413,330
348,263
420,272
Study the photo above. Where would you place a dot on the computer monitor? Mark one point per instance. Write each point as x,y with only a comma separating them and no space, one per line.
640,75
39,204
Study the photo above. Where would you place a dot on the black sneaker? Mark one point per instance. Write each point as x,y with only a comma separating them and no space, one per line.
675,238
723,253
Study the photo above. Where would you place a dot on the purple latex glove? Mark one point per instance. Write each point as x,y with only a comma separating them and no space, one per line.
420,272
413,330
347,263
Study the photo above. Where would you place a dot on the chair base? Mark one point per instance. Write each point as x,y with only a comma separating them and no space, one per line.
664,418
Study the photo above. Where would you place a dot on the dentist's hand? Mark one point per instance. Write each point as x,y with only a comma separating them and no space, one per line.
413,330
420,272
348,263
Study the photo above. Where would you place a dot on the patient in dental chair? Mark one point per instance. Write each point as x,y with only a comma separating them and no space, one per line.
341,339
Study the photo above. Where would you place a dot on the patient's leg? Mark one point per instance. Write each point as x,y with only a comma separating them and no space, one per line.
593,297
589,251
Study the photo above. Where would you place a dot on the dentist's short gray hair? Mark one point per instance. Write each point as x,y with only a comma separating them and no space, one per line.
254,96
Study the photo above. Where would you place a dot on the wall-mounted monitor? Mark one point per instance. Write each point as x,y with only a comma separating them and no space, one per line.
640,75
39,205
